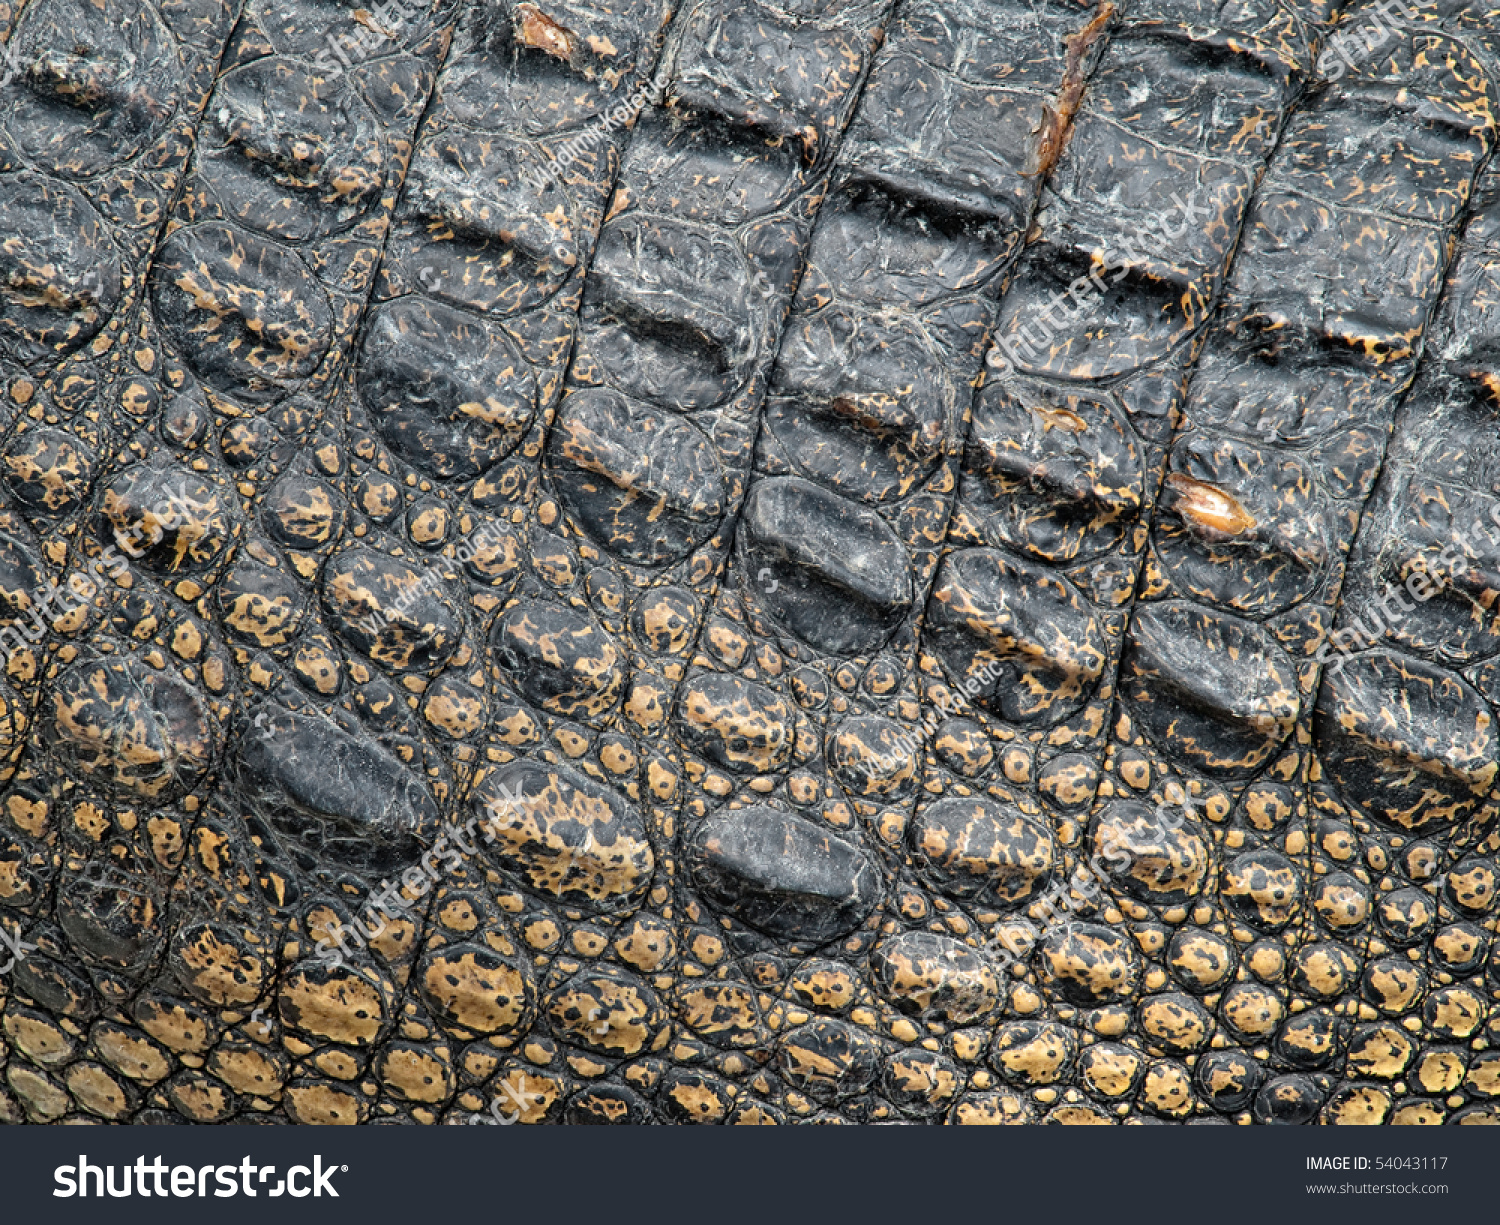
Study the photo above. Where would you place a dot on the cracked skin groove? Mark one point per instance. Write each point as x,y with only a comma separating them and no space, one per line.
648,469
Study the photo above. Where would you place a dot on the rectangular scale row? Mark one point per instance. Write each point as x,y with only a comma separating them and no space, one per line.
1098,333
99,107
798,717
403,514
1233,931
98,111
1404,751
622,522
182,843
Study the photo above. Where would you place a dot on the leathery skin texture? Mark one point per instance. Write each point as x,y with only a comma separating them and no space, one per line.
724,561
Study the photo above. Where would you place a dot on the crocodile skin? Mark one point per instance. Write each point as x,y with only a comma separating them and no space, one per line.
693,562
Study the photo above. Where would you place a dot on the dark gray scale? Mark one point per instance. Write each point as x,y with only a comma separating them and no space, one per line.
690,285
1130,247
99,110
872,385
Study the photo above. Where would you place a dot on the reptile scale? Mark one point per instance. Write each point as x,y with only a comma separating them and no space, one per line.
737,561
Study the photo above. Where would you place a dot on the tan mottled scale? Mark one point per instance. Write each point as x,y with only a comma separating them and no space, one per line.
336,1005
247,1069
323,1104
1110,1070
1167,1089
1033,1055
